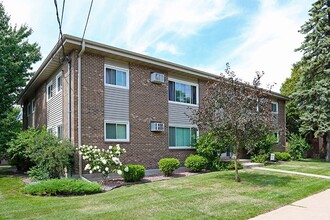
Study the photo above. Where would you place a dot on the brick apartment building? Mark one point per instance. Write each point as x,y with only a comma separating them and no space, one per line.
95,94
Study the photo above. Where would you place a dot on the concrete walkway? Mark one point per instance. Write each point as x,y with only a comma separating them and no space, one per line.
292,172
313,207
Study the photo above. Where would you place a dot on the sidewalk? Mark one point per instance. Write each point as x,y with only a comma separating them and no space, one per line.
313,207
292,172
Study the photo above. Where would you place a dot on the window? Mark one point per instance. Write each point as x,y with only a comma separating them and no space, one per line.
33,105
59,82
116,131
182,92
50,130
49,91
29,109
59,131
277,136
274,107
116,77
182,137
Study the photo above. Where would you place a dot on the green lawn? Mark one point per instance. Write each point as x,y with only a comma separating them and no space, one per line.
205,196
313,166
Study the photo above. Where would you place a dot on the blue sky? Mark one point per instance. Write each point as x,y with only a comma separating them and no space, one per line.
251,35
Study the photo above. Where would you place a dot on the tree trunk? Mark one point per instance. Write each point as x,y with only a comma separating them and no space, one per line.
237,178
327,157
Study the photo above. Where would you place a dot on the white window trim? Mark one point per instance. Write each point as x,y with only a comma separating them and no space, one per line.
107,66
276,103
117,122
33,104
181,126
57,126
278,136
58,76
187,83
48,85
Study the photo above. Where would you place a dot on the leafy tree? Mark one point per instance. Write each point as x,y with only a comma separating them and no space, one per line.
313,94
16,57
9,127
292,112
237,111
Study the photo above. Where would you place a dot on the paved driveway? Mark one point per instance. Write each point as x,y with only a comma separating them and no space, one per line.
315,207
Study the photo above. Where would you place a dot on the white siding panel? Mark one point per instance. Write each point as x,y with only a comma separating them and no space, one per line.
54,109
177,113
116,103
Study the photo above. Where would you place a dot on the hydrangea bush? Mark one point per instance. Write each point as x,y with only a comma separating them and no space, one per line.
103,161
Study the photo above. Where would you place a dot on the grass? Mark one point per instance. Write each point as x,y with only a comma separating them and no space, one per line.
205,196
313,166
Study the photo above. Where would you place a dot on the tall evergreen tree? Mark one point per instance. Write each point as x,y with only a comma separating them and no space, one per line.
313,95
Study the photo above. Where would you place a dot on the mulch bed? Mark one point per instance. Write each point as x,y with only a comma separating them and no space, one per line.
109,184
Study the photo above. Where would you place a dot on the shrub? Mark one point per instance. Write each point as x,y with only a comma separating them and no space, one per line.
262,158
282,156
103,161
264,146
135,173
195,163
19,148
37,173
168,165
227,165
41,148
51,153
285,156
211,146
62,187
297,146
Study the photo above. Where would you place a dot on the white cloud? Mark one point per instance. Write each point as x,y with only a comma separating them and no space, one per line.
166,47
147,22
268,42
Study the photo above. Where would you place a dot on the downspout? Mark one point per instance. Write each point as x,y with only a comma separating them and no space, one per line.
69,100
79,105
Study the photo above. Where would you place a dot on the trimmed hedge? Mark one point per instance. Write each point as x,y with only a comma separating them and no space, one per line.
262,158
56,187
168,165
282,156
195,163
135,173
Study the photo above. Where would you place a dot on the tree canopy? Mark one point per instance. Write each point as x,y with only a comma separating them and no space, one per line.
16,57
313,94
236,111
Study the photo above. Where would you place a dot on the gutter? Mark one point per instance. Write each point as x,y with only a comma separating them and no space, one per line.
79,105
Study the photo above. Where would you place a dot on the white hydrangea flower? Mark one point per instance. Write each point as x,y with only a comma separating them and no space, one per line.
110,147
118,146
119,172
104,161
107,169
126,169
90,171
87,167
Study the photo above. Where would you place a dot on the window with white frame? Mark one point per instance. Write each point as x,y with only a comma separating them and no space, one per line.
115,76
277,136
183,92
274,107
33,105
116,131
182,136
59,131
59,82
50,130
49,91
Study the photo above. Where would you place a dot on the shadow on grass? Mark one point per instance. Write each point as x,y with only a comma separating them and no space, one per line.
259,179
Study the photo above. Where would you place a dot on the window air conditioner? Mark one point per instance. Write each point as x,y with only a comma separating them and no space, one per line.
157,78
156,126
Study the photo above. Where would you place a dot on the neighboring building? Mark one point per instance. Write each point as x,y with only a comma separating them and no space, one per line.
124,98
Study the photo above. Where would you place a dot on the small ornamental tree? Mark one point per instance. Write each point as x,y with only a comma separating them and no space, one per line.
235,110
103,161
